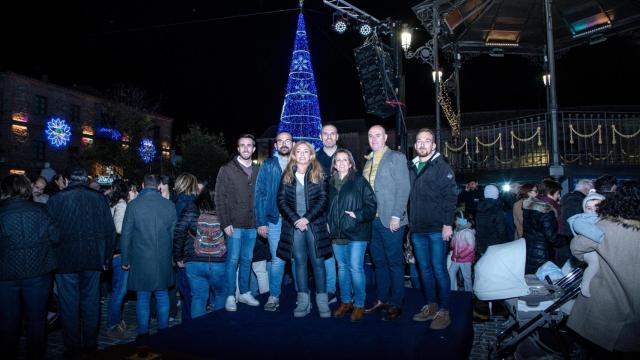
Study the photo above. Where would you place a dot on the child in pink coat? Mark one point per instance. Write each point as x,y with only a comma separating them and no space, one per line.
463,245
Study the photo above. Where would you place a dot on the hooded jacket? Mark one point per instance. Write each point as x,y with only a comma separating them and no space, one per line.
540,233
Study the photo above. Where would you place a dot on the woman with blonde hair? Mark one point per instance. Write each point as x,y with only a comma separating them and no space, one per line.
302,200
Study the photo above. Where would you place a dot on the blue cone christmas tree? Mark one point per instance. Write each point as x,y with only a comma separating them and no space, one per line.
301,109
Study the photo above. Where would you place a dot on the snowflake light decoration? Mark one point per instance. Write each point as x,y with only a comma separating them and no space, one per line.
58,132
147,150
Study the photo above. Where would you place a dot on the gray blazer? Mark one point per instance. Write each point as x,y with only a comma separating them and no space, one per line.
146,242
392,187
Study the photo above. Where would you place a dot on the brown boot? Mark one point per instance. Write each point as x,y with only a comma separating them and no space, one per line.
427,313
441,320
357,314
342,310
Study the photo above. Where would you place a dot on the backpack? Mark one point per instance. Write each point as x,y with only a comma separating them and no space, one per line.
209,238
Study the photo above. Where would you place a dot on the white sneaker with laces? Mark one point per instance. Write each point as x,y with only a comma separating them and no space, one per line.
230,304
248,299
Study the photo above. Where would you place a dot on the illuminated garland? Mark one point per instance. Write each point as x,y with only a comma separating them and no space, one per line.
445,102
464,145
584,136
147,150
58,132
625,136
478,142
537,133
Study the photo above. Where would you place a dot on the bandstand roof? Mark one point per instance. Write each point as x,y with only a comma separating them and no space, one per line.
501,27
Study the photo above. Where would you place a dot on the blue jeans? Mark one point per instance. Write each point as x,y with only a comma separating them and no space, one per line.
277,264
203,276
142,309
431,256
119,279
350,258
183,286
79,298
304,247
386,250
330,271
239,250
32,297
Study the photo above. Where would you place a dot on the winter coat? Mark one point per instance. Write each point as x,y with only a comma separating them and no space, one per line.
540,233
570,204
517,218
585,224
147,241
490,227
87,231
27,237
235,195
391,187
186,228
316,201
432,200
355,195
611,316
463,245
266,194
117,211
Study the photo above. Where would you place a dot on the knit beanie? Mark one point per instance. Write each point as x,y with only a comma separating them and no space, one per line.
591,196
491,192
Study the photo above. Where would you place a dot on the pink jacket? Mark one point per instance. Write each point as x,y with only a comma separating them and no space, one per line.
463,244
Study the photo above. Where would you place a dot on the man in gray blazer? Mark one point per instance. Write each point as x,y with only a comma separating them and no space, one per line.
146,247
387,173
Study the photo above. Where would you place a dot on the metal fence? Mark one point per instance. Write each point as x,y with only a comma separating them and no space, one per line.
585,139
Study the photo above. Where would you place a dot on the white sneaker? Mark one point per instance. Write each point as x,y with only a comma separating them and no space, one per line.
230,304
248,299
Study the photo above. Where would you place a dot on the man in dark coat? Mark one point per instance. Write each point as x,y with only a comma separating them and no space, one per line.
87,240
235,191
146,246
490,226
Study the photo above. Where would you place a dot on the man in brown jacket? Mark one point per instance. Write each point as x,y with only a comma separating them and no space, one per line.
235,188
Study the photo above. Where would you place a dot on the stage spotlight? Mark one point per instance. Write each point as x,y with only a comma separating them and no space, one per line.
365,29
340,25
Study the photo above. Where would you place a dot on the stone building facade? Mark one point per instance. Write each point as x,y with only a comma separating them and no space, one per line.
27,106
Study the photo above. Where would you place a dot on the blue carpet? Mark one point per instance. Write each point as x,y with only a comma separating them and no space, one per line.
252,332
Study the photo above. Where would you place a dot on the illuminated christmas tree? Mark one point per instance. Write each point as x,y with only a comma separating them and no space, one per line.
301,109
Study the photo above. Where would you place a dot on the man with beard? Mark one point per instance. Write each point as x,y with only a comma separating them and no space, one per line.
37,190
235,187
432,202
268,217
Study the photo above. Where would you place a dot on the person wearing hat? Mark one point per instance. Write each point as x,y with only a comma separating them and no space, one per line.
585,224
490,227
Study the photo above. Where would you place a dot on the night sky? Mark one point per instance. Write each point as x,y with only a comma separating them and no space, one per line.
230,74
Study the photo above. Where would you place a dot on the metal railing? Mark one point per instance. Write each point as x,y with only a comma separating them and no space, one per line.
585,139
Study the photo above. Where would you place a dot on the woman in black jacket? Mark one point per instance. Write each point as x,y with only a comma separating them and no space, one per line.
203,270
27,236
302,200
352,208
540,233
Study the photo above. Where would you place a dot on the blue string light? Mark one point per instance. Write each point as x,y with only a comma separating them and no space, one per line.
147,150
301,109
58,132
113,134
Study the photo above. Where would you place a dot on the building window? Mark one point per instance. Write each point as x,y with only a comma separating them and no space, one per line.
75,114
39,150
41,105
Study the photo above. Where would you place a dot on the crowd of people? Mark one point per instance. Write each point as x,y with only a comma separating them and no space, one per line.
60,233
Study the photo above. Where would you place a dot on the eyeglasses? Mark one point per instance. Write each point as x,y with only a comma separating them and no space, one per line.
286,142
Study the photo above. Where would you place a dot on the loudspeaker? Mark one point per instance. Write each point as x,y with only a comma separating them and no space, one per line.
376,72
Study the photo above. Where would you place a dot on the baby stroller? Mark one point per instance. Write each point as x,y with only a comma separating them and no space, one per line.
532,304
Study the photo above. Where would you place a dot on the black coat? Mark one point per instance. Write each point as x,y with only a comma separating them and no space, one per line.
355,195
571,204
316,199
87,231
540,233
490,226
27,234
147,241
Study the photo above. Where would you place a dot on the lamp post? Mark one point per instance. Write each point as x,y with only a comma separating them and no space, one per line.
428,54
555,169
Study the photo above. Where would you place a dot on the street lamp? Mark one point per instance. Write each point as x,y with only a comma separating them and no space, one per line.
546,79
405,38
433,75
